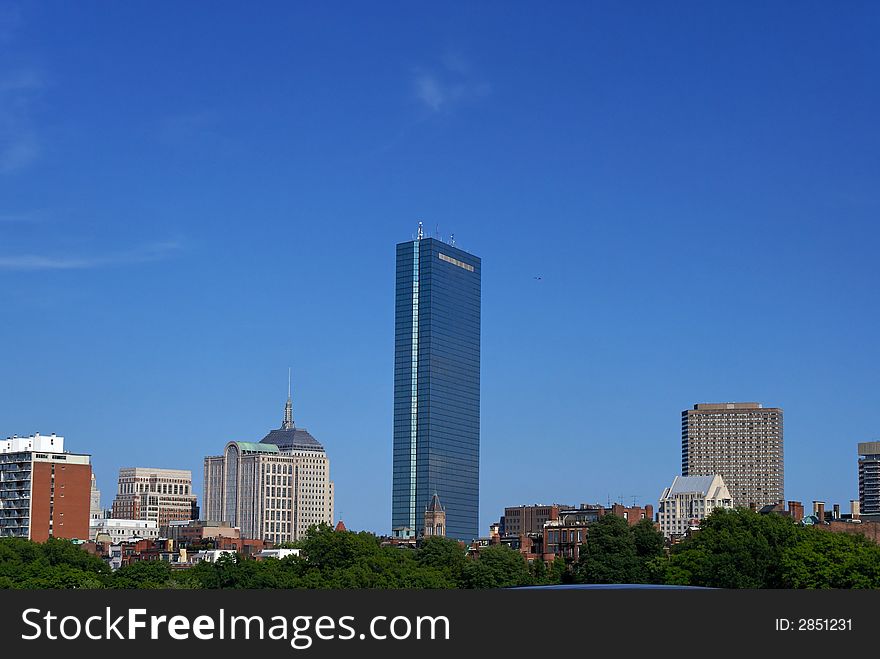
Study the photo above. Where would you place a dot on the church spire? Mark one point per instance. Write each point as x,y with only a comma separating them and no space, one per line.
288,407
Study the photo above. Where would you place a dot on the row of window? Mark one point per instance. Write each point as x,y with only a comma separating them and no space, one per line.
157,488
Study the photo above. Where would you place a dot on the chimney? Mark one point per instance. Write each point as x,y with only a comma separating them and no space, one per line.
796,510
835,514
855,508
819,510
753,507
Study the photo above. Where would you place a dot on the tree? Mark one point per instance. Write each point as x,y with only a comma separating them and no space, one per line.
498,566
824,559
559,572
649,541
143,574
539,571
610,554
53,564
64,552
734,549
327,549
443,554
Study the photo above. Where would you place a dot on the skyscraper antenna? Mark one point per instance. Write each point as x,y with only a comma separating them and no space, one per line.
287,424
452,238
421,233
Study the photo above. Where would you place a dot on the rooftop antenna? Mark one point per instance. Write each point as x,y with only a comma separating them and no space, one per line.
421,233
452,238
288,381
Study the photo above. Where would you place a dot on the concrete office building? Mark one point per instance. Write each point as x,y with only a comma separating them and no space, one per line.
45,492
158,495
688,500
869,479
122,530
742,442
436,386
274,489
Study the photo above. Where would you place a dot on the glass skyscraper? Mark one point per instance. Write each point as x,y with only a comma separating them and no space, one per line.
437,386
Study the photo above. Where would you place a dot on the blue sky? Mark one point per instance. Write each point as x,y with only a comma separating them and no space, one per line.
194,196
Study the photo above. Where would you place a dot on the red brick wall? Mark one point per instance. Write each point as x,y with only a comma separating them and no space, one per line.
870,530
634,514
72,500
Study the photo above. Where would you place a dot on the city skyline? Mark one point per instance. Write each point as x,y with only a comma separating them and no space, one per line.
672,214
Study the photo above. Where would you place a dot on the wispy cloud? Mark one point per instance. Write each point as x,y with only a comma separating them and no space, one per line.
431,92
143,254
448,85
19,144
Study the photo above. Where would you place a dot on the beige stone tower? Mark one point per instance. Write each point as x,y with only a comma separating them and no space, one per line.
435,518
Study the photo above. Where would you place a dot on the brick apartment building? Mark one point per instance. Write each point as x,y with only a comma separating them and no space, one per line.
548,531
196,532
45,492
522,520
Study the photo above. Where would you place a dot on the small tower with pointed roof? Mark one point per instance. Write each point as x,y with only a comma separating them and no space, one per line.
435,518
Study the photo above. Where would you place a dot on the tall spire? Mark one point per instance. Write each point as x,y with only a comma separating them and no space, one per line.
288,407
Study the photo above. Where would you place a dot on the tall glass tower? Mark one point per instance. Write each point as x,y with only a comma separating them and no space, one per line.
437,386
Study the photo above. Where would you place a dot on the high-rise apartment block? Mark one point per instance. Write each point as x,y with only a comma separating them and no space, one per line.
436,386
45,492
869,478
158,495
274,489
688,500
742,442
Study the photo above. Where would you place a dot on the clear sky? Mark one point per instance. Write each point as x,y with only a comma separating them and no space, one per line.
195,196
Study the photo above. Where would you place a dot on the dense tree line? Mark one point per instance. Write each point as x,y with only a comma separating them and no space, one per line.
732,549
742,549
330,559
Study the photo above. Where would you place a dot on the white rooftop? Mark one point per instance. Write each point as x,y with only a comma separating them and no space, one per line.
47,443
690,484
124,523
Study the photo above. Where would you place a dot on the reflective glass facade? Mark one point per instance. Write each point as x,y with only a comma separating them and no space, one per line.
437,386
